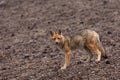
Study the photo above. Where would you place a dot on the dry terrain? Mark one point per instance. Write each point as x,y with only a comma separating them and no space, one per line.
28,53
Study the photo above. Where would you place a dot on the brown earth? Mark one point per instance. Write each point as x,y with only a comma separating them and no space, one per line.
27,53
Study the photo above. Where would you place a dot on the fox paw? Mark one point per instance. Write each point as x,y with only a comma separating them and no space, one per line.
97,60
63,68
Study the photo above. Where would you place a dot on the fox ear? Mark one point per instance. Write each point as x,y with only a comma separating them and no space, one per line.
60,32
51,33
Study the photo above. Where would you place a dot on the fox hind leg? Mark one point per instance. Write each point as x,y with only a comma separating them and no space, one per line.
90,55
94,48
102,49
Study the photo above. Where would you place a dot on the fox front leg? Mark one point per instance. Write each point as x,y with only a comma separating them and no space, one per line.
67,59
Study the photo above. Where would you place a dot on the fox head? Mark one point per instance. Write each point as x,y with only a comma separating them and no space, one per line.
57,37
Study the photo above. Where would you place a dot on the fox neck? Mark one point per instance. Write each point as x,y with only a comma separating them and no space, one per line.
63,39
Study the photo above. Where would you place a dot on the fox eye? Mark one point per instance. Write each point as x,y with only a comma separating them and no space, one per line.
59,38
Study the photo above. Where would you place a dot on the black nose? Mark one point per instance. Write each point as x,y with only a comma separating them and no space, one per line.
56,42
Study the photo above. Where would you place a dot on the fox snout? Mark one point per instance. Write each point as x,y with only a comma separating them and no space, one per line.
57,43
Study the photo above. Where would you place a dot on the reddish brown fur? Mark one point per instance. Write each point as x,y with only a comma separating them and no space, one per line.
88,39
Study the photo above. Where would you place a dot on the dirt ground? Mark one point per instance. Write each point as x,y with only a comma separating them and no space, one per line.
27,52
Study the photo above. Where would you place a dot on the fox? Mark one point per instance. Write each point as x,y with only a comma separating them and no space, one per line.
87,39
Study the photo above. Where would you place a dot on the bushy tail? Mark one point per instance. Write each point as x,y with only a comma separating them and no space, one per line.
101,48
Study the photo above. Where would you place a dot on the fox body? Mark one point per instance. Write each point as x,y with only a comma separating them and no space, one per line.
87,39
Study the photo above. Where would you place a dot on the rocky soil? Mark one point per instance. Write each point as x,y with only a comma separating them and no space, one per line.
28,53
